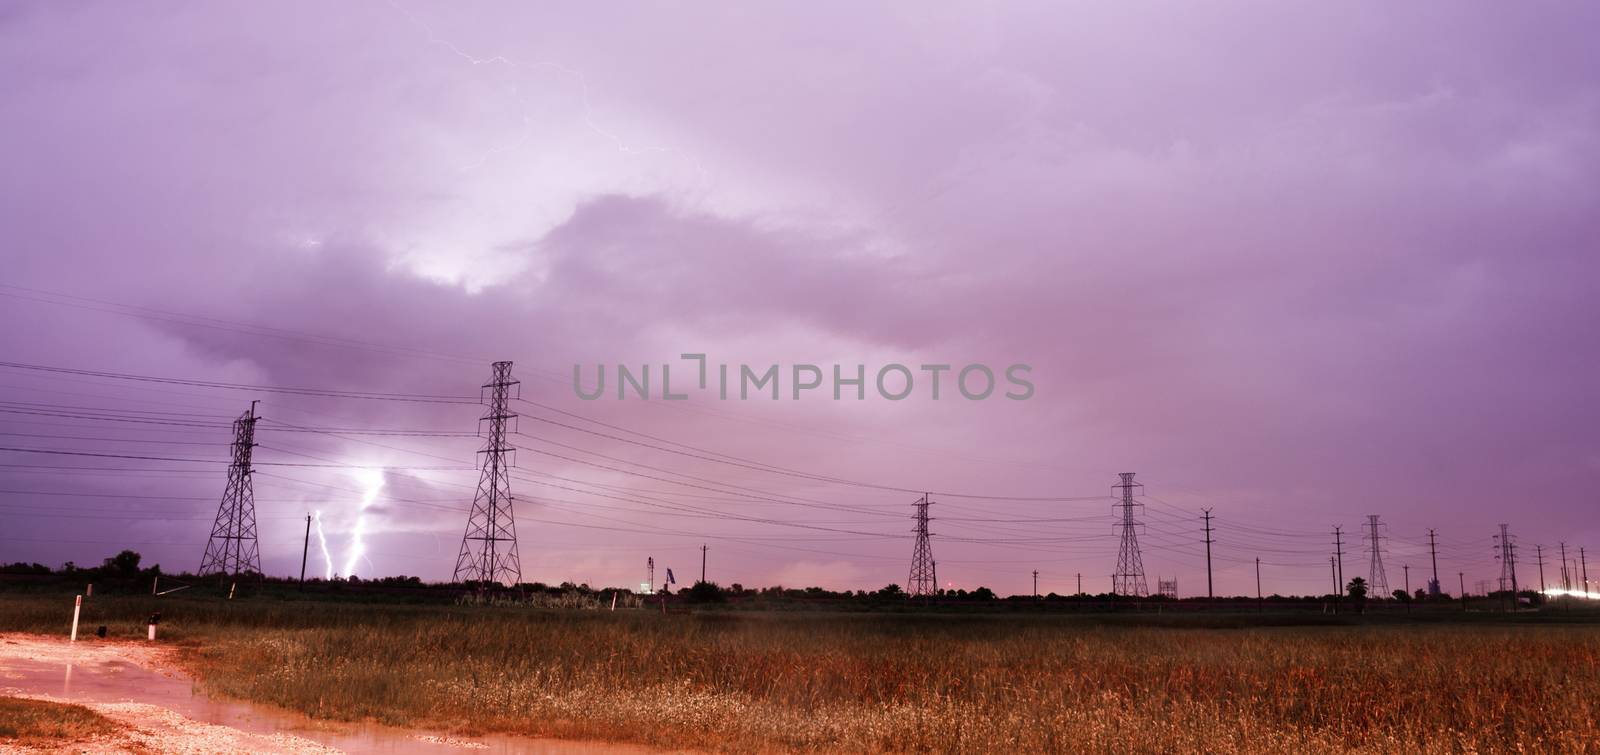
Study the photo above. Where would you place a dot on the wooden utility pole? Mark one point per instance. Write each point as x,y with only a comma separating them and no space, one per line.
1261,604
305,550
1338,553
1462,576
1584,564
1433,554
702,563
1206,514
1407,569
1332,572
1035,584
1539,549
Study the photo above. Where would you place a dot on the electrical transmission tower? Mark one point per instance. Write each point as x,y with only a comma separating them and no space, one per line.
489,547
1129,578
923,579
1380,582
232,549
1508,559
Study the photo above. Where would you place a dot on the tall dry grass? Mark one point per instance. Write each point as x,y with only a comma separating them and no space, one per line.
860,684
915,683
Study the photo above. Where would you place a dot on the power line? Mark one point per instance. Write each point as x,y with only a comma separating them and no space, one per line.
318,392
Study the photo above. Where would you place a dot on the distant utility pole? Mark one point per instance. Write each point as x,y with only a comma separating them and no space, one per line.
305,550
1380,581
1129,578
489,544
1566,581
1433,554
650,573
1338,554
232,549
702,562
1334,572
1261,604
1035,584
1080,583
1407,569
1462,576
923,579
1206,514
1539,551
1585,564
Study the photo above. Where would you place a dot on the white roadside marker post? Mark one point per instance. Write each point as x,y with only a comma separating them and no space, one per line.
76,607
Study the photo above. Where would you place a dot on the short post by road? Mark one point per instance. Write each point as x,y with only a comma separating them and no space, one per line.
155,619
77,607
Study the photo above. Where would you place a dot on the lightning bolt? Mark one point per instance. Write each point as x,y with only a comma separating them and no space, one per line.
373,480
327,558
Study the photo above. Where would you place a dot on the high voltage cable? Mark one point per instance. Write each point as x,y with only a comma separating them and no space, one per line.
323,430
319,392
222,461
763,467
79,413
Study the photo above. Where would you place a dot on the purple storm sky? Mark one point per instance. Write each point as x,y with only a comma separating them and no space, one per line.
1298,263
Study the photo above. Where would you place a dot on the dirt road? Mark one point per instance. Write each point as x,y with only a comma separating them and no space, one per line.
140,687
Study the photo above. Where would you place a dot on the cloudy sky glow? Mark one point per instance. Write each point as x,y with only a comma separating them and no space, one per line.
1297,264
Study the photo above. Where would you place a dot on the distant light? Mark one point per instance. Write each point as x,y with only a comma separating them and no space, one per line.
1558,592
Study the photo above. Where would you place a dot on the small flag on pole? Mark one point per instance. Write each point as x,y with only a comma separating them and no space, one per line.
670,579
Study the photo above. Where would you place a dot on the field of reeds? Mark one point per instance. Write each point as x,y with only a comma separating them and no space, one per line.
902,682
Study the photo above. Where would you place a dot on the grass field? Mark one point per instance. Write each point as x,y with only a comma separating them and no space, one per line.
864,682
36,723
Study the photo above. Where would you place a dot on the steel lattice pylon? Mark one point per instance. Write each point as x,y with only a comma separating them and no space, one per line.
1378,581
232,549
489,547
923,580
1508,559
1129,577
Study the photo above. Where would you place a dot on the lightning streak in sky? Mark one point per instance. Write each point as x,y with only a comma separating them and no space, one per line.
327,558
372,480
